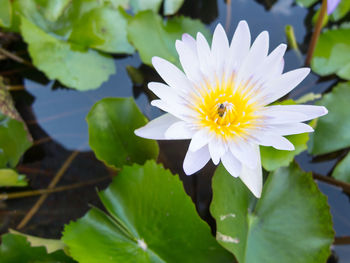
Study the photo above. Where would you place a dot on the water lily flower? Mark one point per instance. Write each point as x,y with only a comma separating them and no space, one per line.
220,101
332,5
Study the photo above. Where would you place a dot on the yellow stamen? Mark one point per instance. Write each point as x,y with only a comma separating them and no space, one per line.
225,110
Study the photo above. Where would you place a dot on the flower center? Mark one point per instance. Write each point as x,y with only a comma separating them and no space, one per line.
225,111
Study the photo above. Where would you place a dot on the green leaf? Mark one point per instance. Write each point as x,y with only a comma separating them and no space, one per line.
332,53
305,3
14,141
272,159
342,170
342,9
141,5
51,245
291,218
52,9
332,131
5,13
172,6
151,220
112,122
102,28
153,37
9,177
16,249
82,70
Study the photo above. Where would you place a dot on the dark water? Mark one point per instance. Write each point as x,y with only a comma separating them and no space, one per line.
56,118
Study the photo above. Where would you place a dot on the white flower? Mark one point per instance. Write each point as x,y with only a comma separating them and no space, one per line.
220,102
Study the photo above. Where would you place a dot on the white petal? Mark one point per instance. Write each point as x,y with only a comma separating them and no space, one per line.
156,128
232,165
219,49
187,51
183,112
179,131
293,113
252,178
204,56
276,141
174,77
194,161
165,93
281,86
239,48
217,150
255,57
271,67
290,128
199,139
245,153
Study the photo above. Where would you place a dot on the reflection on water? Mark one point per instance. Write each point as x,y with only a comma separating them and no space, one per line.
60,113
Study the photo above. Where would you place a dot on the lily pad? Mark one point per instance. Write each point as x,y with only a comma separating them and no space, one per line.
332,53
141,5
75,68
332,131
342,170
9,177
151,220
341,11
291,222
5,13
104,29
51,245
306,3
16,249
172,6
151,36
112,122
14,141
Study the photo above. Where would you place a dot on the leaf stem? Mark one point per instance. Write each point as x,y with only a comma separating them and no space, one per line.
329,180
15,57
228,15
316,33
52,184
49,191
345,240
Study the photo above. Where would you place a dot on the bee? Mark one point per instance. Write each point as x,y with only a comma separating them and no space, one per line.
221,110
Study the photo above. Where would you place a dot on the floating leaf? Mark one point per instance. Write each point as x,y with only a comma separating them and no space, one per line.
104,29
7,106
16,249
151,220
332,53
291,218
342,170
342,9
5,13
153,37
332,131
141,5
51,245
58,59
112,122
172,6
9,177
306,3
14,141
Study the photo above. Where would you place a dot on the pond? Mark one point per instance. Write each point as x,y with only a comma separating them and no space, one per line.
56,118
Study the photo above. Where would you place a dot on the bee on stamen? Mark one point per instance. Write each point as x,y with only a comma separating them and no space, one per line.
221,110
